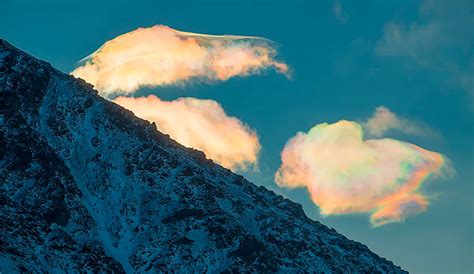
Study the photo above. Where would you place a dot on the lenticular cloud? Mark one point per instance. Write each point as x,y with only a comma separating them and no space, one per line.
201,124
160,55
346,174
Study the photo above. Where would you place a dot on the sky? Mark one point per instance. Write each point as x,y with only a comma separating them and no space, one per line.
392,82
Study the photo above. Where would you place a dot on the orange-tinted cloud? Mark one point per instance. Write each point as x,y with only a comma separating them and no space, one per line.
201,124
160,55
346,174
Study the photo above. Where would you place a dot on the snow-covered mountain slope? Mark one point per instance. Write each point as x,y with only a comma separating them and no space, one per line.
87,186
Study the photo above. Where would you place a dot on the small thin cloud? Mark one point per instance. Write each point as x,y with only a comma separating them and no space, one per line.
440,40
200,124
346,174
340,14
384,120
160,55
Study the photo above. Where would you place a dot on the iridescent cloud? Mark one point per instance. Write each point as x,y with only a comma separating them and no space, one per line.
201,124
160,55
346,174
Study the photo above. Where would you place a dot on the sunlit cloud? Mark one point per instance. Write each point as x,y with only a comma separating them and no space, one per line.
201,124
346,174
384,120
160,55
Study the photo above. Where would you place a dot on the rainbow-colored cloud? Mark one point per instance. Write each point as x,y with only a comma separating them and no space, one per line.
160,55
346,174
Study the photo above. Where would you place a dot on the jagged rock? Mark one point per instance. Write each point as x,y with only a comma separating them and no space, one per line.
88,187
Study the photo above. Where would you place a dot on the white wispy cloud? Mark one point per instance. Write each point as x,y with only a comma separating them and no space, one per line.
384,120
441,40
339,12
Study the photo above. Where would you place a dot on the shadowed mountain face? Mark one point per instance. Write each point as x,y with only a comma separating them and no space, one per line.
87,186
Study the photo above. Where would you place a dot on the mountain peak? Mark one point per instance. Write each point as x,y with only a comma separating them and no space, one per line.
87,186
4,44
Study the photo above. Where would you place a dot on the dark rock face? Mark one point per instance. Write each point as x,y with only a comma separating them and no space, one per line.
87,186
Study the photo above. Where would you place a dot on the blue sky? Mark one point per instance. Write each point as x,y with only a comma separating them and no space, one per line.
344,65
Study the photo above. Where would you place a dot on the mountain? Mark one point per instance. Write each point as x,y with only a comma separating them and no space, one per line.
88,187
